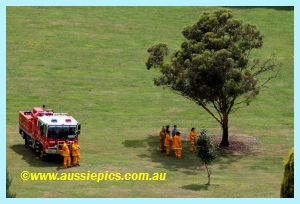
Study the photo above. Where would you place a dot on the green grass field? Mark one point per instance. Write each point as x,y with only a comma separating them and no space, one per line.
90,62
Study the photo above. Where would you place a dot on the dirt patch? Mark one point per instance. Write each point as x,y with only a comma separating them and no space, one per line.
237,142
64,23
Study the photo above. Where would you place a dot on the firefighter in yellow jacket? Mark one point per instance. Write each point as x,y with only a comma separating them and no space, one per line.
193,135
75,153
162,137
177,145
168,142
66,154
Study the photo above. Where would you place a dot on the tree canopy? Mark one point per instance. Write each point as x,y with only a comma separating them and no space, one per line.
213,67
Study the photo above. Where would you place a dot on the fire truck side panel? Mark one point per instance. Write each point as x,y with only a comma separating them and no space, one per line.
25,122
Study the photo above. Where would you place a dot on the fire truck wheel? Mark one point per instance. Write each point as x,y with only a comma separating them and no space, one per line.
25,140
42,154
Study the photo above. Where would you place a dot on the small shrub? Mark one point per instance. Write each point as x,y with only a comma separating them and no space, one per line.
287,185
8,183
206,151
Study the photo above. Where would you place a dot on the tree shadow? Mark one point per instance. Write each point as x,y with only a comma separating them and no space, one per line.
196,187
189,164
32,157
226,157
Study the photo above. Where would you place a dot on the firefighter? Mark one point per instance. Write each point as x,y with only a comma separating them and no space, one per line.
66,155
173,135
168,142
78,159
177,145
174,130
167,128
75,153
193,135
162,137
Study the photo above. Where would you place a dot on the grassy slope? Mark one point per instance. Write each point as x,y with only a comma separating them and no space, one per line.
90,62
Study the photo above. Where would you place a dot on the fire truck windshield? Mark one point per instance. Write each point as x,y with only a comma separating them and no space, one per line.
61,132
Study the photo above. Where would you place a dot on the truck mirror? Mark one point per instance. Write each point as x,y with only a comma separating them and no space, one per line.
79,126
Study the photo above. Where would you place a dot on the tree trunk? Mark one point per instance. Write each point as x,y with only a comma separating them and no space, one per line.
225,141
208,175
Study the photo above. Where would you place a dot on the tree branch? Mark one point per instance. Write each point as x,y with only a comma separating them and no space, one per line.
231,105
236,108
208,110
255,62
272,77
265,67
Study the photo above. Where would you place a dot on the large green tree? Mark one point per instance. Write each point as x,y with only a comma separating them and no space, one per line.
213,66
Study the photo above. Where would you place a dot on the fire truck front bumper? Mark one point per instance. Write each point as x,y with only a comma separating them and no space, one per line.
52,150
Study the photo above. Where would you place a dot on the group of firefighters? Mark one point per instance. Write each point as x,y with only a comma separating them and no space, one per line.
166,141
75,154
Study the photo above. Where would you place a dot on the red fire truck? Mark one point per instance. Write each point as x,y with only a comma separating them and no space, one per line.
46,131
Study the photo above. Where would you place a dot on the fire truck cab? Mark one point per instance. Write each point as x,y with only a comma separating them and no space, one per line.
46,131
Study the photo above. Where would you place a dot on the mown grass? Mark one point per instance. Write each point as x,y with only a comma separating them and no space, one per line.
90,62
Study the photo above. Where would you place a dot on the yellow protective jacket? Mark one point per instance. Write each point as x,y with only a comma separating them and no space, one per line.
193,135
65,150
74,149
177,142
168,140
78,148
162,135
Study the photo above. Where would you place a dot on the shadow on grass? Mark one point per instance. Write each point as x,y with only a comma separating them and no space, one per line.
188,164
32,157
226,157
135,143
196,187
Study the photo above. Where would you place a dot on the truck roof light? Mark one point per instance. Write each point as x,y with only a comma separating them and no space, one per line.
68,120
53,120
